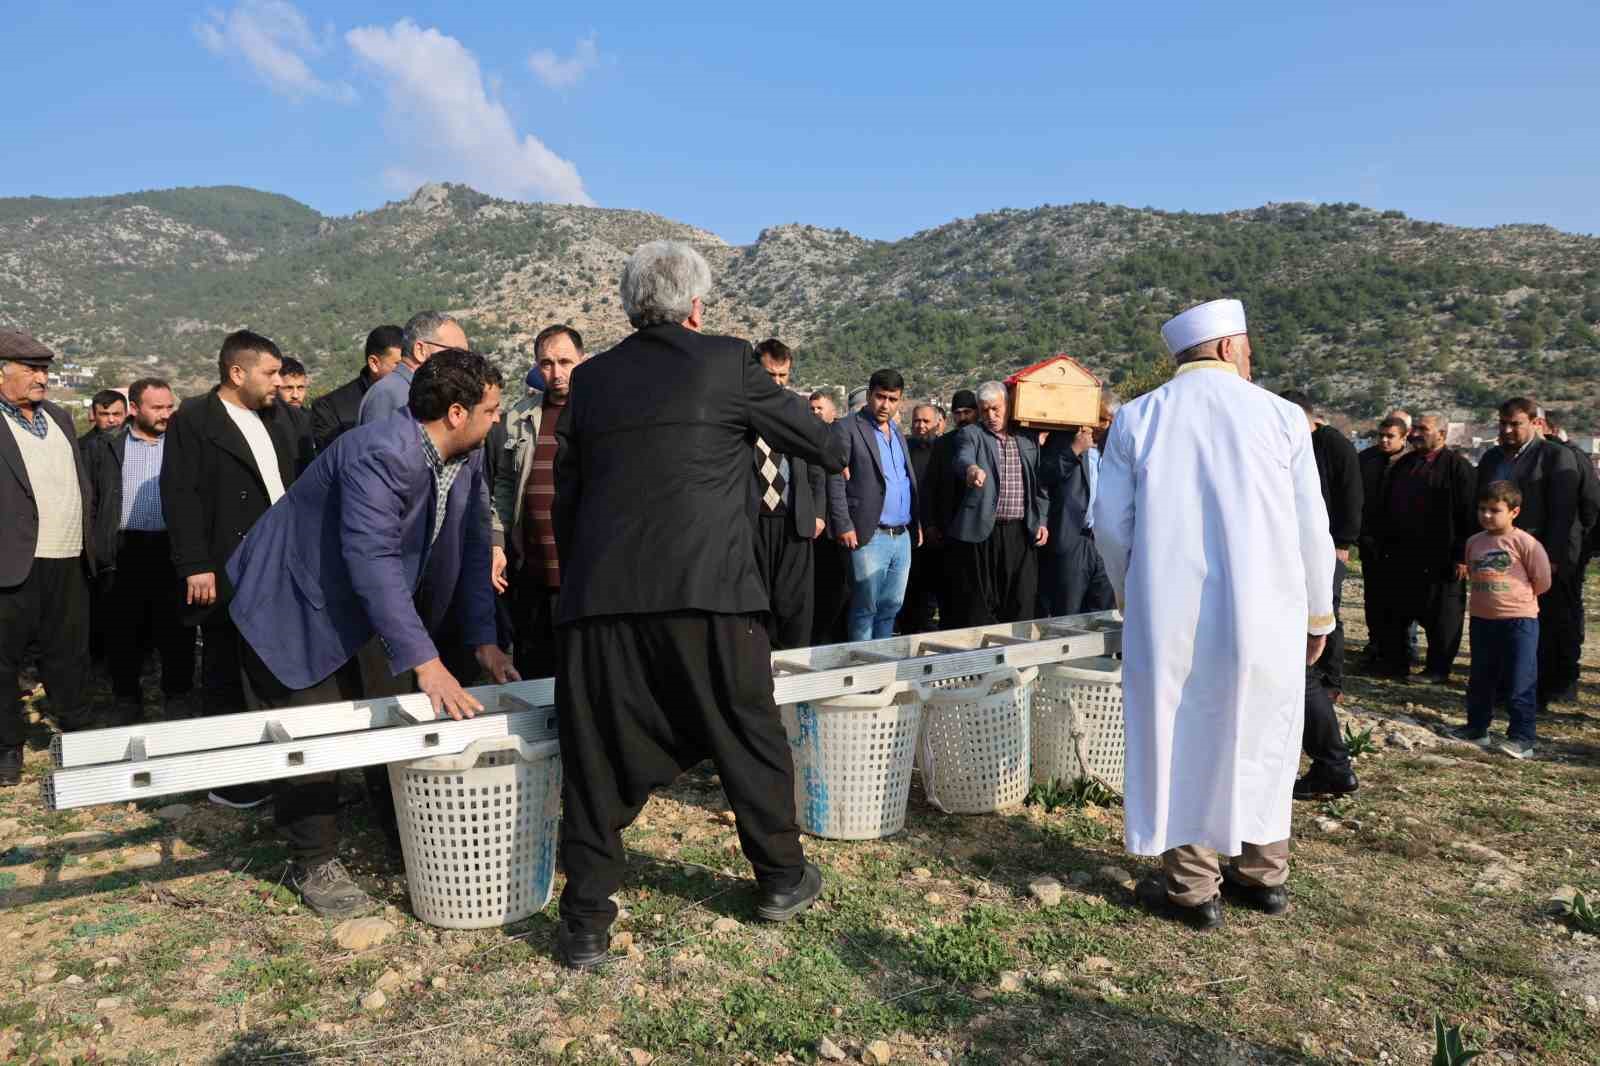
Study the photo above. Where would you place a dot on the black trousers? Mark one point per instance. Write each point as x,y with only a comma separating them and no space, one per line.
307,807
830,582
994,580
1560,634
1412,592
221,682
1321,738
640,699
535,653
1329,669
1073,580
141,605
785,562
922,590
48,611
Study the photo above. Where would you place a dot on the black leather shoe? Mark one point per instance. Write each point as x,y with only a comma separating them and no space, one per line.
1267,900
1152,895
581,951
1319,782
11,765
781,906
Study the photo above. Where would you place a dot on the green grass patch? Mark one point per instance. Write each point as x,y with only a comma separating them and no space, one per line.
967,952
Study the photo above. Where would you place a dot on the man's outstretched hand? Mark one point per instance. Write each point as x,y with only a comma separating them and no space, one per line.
445,692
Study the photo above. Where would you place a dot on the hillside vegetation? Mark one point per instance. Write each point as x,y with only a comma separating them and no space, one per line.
1362,308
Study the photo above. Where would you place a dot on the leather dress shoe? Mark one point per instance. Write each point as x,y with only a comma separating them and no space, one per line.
11,765
1319,782
581,950
781,906
1152,895
1273,899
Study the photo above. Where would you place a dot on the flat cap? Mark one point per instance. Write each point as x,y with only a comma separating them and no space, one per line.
19,347
964,398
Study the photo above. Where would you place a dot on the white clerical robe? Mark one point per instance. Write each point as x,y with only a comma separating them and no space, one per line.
1209,516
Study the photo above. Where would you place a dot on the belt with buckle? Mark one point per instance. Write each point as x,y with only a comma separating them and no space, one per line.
893,531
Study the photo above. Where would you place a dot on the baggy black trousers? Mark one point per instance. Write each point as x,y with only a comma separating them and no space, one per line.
784,560
994,580
50,611
640,699
141,606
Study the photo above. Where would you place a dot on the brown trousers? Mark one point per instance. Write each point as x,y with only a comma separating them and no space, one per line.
1194,873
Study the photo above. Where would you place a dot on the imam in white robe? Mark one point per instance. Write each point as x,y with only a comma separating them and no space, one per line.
1209,516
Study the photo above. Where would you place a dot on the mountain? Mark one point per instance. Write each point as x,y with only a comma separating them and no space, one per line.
1362,308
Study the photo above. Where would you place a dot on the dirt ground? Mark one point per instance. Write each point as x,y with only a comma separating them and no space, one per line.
160,932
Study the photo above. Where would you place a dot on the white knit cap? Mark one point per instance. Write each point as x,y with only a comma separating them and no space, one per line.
1205,322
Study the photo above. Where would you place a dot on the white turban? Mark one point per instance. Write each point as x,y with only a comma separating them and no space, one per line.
1206,322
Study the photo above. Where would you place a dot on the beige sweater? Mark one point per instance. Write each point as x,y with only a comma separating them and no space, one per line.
53,475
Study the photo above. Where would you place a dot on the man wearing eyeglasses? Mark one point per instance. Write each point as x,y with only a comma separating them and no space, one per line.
426,332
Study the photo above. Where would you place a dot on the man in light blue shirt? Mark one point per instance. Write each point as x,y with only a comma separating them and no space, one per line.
427,332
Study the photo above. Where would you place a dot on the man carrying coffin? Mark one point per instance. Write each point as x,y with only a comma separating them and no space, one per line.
1209,516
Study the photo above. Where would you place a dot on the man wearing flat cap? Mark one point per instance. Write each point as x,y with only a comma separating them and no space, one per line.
46,551
1209,517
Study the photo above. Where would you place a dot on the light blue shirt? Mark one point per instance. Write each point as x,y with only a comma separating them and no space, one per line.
896,477
141,484
1091,471
387,396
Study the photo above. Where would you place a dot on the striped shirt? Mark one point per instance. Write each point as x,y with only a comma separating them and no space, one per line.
539,532
141,483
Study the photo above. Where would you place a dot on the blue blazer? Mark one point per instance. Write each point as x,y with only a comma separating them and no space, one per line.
858,503
973,518
345,555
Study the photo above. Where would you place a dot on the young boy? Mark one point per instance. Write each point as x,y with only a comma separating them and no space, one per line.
1509,570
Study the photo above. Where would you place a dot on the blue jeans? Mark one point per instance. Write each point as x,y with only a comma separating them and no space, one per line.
1505,666
878,573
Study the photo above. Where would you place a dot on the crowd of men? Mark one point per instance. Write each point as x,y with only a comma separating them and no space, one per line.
660,519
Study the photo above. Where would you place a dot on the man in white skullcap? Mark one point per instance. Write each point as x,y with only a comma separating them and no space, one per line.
1210,519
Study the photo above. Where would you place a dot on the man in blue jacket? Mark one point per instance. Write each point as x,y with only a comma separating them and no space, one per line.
379,545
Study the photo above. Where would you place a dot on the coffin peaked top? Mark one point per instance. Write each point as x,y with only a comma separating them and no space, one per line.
1059,369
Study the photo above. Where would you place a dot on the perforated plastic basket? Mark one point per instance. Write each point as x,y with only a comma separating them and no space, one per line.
974,747
479,831
1077,722
852,761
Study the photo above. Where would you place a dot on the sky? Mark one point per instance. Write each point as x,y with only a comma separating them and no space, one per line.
881,118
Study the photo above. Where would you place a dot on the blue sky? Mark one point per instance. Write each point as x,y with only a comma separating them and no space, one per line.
882,118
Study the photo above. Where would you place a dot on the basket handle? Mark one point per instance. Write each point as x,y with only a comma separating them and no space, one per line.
468,756
984,686
861,700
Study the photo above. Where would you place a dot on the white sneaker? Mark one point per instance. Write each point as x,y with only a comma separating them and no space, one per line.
1517,749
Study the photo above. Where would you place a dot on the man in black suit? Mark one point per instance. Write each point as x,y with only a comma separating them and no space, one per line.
665,661
998,527
1551,483
340,409
46,546
874,511
927,560
229,456
790,498
1377,465
108,410
139,587
938,499
1072,577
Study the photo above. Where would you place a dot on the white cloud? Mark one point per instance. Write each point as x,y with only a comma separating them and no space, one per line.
558,73
273,37
447,125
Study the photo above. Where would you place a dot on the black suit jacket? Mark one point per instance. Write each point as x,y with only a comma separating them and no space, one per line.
938,492
857,504
1451,515
1552,485
1064,479
212,492
19,526
1339,469
339,410
653,474
973,517
104,461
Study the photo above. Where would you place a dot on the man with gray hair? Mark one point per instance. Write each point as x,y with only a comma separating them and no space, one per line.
998,522
664,657
425,333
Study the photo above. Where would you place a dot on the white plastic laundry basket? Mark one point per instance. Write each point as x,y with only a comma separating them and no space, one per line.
852,761
1077,722
974,747
479,831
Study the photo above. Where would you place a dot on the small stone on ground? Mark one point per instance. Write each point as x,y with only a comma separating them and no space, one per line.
359,934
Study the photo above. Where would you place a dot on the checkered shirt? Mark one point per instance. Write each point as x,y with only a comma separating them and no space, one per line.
444,476
39,427
1010,504
141,484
